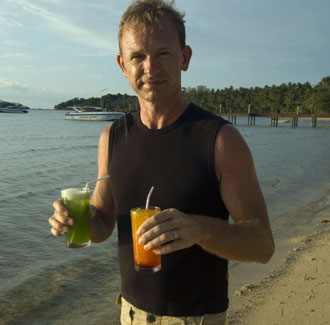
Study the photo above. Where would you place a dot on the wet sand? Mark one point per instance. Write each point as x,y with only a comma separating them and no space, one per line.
295,292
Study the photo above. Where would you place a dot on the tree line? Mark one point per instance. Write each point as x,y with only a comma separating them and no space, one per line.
286,98
4,104
109,102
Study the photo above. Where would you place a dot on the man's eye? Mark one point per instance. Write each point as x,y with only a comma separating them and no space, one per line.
136,57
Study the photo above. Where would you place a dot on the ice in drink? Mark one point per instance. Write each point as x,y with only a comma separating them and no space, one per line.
76,200
144,260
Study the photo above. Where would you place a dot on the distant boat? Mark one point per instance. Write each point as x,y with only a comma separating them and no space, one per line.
284,121
89,113
14,109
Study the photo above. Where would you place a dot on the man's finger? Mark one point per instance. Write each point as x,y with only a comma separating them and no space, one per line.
158,219
58,225
58,206
56,233
171,247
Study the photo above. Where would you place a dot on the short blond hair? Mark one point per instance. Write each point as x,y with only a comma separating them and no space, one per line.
150,13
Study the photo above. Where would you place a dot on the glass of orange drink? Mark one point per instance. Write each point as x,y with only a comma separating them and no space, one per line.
145,260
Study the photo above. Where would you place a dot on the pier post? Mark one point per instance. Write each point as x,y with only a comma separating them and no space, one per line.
251,119
274,121
295,121
314,121
232,118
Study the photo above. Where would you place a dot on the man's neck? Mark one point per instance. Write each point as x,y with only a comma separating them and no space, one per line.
159,115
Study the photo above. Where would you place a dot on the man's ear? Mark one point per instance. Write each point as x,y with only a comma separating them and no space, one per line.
121,64
186,53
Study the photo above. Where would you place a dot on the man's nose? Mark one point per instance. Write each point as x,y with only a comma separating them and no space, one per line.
151,65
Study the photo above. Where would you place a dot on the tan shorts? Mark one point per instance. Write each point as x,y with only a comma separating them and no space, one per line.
131,315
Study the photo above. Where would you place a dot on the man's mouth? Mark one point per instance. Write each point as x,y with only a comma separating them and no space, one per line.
153,83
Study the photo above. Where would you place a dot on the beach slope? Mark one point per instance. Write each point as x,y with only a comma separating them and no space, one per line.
297,292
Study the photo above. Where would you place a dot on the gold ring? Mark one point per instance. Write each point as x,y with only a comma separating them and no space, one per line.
175,234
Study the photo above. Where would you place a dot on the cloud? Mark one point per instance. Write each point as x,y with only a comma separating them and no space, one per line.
100,53
13,91
14,43
9,20
13,57
66,27
11,86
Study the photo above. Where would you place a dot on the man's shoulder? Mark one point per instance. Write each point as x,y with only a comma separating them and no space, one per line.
123,122
204,115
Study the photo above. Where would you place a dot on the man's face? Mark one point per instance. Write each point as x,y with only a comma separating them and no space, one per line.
153,61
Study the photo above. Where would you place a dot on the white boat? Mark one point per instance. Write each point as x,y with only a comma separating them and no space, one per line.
14,109
89,113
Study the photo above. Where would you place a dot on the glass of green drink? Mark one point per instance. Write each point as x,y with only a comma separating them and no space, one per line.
76,200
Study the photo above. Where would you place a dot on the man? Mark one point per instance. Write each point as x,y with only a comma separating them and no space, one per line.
202,171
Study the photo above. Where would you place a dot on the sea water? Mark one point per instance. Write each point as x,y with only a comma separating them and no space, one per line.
43,282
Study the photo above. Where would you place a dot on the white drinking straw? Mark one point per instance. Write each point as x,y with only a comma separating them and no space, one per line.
148,197
94,181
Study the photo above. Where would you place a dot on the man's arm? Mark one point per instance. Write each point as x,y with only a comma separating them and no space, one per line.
248,238
102,207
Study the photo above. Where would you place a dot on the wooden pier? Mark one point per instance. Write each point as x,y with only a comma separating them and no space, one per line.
274,118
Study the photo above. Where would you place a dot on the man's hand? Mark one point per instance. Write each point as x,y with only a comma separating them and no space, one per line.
169,231
60,220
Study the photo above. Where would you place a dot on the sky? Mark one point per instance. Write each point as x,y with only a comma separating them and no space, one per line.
54,50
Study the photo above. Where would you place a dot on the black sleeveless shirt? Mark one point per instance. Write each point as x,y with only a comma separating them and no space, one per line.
179,162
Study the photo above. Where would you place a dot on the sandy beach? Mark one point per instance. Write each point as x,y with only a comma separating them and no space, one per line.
296,292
